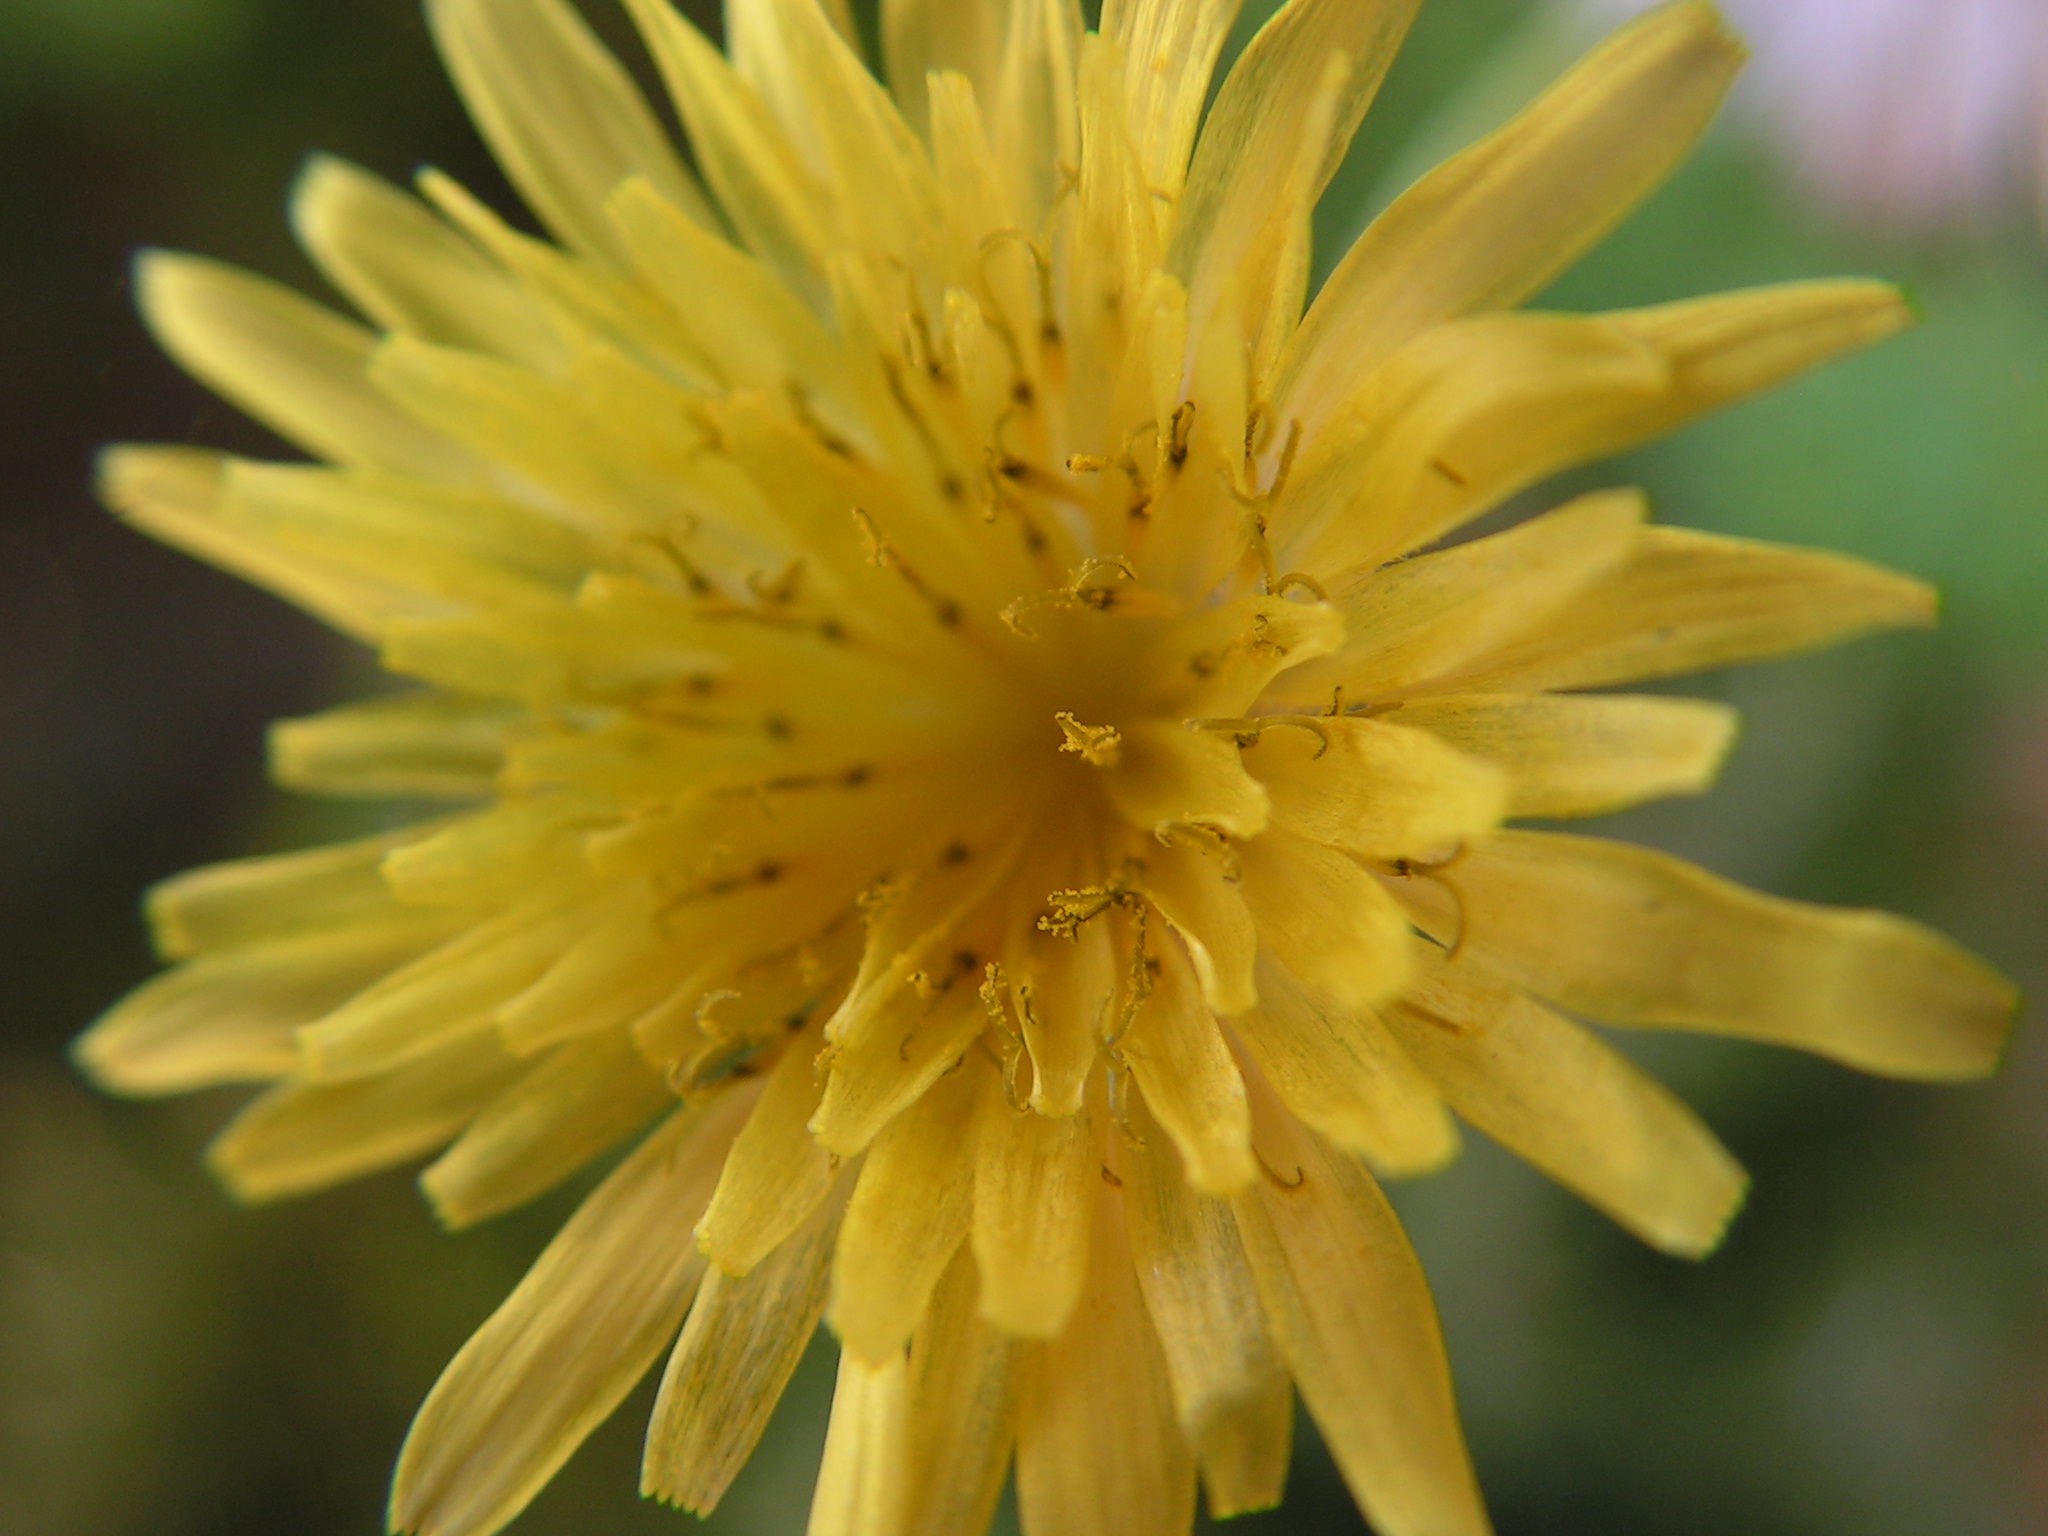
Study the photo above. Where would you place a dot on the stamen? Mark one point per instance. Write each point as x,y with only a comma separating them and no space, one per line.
1102,746
1246,731
882,553
1014,1050
1088,589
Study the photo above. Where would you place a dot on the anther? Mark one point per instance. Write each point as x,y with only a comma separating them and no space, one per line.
1100,746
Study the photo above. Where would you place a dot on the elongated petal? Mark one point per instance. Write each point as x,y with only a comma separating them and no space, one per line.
233,1016
1689,602
1170,49
1198,895
280,895
1475,410
1380,791
1034,1198
1177,1053
744,1337
408,271
1341,1073
570,1341
776,1174
1420,618
1583,756
863,1479
1230,1388
1326,919
770,196
299,369
910,1211
1099,1451
923,36
1233,216
1635,937
1491,226
1348,1304
562,116
577,1104
1547,1089
1169,776
963,1412
301,1136
423,745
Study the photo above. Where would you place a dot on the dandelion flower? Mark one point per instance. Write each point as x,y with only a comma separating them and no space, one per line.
970,750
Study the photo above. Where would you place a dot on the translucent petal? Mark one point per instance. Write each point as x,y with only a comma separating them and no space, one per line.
1634,937
1230,1389
1690,602
1326,919
1099,1451
1492,225
302,1136
1583,756
1034,1198
579,1102
743,1339
776,1174
296,367
910,1211
1351,1311
1177,1054
408,271
863,1479
962,1422
570,1341
418,745
1341,1073
1197,894
1545,1088
562,116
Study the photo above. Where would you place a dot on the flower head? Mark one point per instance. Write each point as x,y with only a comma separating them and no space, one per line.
962,718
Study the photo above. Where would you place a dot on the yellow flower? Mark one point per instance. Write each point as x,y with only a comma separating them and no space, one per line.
964,720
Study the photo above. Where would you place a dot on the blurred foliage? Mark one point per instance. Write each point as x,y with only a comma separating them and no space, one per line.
1868,1355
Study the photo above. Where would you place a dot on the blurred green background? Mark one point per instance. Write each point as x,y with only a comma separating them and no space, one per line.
1869,1353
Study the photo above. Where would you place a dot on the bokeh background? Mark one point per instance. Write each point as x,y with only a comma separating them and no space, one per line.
1869,1353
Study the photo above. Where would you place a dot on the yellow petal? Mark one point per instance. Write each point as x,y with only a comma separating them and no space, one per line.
1326,919
560,114
1690,602
577,1104
1034,1197
279,895
905,1048
1548,1090
233,1015
1064,991
301,1136
1473,411
176,495
607,978
1098,1446
1340,1072
762,185
1635,937
1352,1313
909,1212
1032,121
1197,894
920,37
441,995
1583,756
296,367
962,1421
1230,1389
1377,790
744,1337
776,1174
1169,776
570,1341
408,271
418,745
1275,107
1170,49
1421,618
862,1480
1493,225
1176,1052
